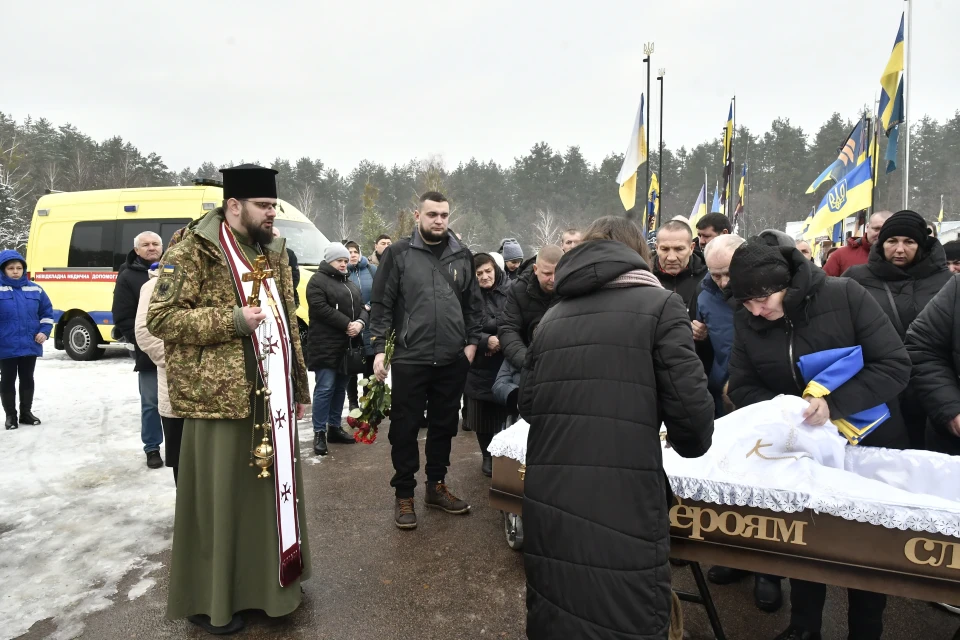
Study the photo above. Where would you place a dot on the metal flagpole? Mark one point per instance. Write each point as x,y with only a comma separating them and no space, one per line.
907,43
706,193
648,51
660,195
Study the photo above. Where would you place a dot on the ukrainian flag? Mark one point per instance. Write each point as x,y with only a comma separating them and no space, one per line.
852,153
850,195
635,156
653,202
727,159
890,80
826,371
699,207
896,117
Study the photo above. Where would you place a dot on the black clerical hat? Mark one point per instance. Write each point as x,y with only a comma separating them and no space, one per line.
249,181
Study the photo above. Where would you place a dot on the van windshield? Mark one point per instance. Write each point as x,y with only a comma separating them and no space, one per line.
305,240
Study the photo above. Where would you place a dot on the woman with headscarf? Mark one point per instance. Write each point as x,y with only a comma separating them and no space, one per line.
609,361
483,414
905,270
26,319
791,308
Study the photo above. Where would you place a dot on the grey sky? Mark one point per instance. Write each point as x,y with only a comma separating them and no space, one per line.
391,81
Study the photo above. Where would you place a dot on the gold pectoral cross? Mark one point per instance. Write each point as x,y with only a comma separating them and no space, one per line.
257,275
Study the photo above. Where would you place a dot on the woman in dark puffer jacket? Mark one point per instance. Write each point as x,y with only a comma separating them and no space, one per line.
609,362
791,309
484,414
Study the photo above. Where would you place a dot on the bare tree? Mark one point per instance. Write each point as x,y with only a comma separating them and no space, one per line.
82,170
344,228
51,175
304,199
546,230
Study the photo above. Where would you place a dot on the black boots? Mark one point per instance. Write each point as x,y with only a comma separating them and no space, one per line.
9,408
486,467
203,621
336,435
26,404
320,443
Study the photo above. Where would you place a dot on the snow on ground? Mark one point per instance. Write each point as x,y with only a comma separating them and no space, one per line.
79,508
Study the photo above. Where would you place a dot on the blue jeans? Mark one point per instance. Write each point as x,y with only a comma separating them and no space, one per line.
151,431
328,398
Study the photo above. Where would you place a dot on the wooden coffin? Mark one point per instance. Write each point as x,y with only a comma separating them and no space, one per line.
805,545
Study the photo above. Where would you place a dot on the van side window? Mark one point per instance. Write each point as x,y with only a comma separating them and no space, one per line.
91,245
130,229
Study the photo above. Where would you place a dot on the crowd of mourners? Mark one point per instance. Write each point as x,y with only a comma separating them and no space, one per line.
596,341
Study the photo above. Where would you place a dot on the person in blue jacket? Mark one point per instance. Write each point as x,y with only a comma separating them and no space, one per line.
26,319
361,272
715,310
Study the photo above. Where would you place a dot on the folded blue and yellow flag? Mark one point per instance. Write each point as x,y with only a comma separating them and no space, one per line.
825,372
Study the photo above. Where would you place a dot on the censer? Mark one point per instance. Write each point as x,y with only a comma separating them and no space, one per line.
262,454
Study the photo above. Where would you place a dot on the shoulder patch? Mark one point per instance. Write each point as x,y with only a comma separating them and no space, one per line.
168,283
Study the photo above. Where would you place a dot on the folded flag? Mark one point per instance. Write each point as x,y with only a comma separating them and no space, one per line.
825,372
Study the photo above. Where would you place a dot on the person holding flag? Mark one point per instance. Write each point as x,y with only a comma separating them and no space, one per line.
792,310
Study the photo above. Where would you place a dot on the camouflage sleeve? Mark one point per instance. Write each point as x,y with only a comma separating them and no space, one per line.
175,313
301,383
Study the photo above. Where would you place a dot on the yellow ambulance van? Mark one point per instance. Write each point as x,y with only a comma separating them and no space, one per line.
78,240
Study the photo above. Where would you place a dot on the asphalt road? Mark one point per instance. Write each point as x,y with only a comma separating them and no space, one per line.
453,577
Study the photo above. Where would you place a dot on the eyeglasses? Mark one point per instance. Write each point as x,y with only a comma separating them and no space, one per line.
264,206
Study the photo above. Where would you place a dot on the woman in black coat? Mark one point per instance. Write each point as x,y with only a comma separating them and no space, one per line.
609,362
933,341
337,316
791,309
906,269
483,414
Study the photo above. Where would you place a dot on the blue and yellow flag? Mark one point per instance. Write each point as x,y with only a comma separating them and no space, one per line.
850,195
727,160
826,371
653,203
699,207
896,117
635,156
890,80
852,153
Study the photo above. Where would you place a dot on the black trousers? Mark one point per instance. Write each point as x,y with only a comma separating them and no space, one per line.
419,388
11,369
864,609
172,434
352,387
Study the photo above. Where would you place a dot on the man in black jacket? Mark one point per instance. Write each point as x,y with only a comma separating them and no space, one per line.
147,249
426,292
528,299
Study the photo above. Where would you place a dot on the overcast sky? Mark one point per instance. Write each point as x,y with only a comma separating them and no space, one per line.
391,81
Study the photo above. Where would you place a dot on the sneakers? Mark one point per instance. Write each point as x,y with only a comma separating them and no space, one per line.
439,497
202,621
336,435
794,632
320,443
154,461
404,514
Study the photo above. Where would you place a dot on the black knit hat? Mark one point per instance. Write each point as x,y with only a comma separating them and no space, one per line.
757,270
905,223
952,249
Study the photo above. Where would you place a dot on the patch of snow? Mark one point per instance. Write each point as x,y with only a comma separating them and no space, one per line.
79,508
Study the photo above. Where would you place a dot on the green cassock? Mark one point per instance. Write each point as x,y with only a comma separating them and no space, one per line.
225,547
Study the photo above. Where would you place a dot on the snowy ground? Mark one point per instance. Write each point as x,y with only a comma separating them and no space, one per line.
79,508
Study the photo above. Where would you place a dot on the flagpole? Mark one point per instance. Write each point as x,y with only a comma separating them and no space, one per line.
733,153
648,51
908,42
660,156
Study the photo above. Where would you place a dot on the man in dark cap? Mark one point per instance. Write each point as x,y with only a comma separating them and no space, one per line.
237,377
952,249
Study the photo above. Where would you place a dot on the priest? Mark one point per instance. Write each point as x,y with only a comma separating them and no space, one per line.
224,307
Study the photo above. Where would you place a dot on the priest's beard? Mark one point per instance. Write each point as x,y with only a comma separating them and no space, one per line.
430,237
256,232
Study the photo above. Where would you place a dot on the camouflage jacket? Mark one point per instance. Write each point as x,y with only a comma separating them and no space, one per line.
192,310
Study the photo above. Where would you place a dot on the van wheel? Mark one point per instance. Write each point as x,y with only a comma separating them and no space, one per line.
513,528
82,340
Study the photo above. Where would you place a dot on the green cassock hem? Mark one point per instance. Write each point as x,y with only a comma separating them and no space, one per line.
225,549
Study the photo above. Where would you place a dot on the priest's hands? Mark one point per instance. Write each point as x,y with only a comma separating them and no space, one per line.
378,369
817,412
954,426
301,410
253,316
